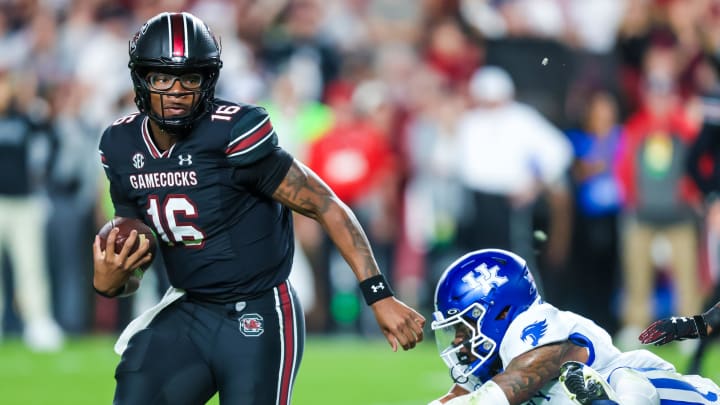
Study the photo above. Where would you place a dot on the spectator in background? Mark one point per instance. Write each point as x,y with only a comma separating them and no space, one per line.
24,160
434,201
246,82
452,53
300,121
633,39
296,47
703,166
72,190
659,197
356,159
598,201
102,75
509,156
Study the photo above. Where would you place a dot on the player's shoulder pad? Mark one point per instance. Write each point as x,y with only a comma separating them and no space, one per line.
251,135
114,139
540,325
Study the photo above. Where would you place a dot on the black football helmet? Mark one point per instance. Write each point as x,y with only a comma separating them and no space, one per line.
175,43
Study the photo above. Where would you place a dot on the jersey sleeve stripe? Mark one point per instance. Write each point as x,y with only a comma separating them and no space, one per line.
253,146
248,132
250,139
103,160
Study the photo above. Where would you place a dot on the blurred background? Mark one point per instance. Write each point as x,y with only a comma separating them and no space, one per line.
577,133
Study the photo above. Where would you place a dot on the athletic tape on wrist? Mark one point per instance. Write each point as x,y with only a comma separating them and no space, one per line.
489,393
375,288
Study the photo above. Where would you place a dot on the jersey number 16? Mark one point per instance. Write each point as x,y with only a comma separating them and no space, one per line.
164,217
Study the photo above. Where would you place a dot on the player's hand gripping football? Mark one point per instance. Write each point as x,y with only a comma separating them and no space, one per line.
666,330
399,323
114,269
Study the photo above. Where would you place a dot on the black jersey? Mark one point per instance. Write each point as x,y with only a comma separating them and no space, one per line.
207,198
707,145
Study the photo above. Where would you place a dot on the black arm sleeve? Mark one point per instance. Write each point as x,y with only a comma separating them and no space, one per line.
712,318
266,174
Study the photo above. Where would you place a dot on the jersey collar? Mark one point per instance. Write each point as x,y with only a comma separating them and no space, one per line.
154,151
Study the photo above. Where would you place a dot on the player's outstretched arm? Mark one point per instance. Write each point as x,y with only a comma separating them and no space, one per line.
667,330
524,376
114,272
304,192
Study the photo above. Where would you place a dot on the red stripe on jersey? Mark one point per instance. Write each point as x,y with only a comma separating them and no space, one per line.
288,366
251,139
149,143
177,25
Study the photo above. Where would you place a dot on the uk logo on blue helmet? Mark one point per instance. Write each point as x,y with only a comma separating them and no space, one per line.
476,299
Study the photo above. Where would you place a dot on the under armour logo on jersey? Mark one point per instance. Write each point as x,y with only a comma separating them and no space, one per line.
185,160
534,332
138,160
377,287
484,278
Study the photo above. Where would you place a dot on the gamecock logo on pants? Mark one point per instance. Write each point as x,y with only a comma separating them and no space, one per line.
251,325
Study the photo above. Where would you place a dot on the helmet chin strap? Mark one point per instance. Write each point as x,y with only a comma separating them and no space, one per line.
456,374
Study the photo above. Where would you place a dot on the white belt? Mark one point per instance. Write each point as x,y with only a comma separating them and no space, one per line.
144,319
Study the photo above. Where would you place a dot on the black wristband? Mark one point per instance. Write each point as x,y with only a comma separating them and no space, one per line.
119,292
375,288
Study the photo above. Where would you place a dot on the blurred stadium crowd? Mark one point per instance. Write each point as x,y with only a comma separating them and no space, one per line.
560,129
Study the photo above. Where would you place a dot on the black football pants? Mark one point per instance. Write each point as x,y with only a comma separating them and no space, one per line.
249,351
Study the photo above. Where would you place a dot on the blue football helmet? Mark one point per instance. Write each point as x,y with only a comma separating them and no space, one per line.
476,299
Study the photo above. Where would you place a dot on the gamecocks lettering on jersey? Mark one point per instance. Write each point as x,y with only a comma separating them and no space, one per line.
205,206
163,179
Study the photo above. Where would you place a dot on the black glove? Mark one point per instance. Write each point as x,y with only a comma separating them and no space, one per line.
676,328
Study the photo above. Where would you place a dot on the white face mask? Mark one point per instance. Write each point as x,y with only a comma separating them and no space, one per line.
462,347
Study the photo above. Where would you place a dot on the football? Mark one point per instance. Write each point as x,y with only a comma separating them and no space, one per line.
126,225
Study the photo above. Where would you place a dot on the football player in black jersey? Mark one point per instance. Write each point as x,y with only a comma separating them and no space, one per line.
707,144
210,179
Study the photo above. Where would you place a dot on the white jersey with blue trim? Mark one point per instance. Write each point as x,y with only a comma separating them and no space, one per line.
543,324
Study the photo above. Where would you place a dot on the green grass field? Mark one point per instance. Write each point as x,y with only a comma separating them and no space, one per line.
334,371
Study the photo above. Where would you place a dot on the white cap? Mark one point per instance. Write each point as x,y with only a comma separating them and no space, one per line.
491,84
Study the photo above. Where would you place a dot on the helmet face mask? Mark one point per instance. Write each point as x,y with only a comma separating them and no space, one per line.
462,347
176,44
476,299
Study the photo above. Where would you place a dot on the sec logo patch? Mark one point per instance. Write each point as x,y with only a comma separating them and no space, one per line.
251,325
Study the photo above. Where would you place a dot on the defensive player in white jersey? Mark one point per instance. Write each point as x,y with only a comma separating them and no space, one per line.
504,345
